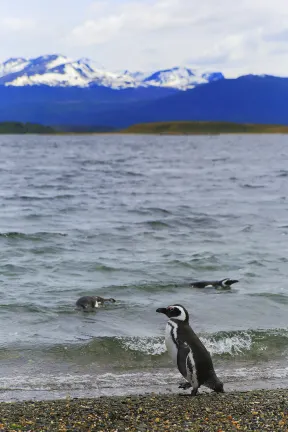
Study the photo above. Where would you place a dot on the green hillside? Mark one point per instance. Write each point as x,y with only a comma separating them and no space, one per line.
24,128
199,128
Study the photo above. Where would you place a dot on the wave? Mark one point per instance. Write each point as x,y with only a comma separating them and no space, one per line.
37,236
55,385
168,220
250,186
105,268
157,224
33,198
150,210
129,352
277,298
250,344
283,173
150,286
132,174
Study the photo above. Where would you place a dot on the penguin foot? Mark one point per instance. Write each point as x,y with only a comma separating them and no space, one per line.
184,394
219,388
219,391
194,392
185,386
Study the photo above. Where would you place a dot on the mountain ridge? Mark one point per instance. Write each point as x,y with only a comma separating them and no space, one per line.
56,70
113,100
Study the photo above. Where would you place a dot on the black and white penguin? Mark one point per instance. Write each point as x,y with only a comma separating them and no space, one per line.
188,352
92,302
224,283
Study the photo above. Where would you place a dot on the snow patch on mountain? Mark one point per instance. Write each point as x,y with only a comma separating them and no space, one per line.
13,65
180,78
60,71
57,61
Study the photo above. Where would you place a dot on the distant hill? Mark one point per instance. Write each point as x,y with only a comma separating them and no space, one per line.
24,128
72,106
249,99
202,128
160,128
75,95
74,129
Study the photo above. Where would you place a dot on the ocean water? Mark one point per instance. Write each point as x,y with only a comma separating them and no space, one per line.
138,218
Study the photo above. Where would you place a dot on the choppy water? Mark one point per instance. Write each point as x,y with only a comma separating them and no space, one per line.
138,218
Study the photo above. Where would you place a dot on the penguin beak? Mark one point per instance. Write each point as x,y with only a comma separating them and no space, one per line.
161,310
231,282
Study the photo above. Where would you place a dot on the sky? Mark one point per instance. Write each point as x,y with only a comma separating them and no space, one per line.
231,36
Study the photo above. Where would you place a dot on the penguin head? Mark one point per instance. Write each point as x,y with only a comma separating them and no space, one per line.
176,312
226,283
112,300
104,300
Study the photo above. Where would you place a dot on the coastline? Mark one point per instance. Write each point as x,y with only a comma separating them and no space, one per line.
203,128
54,384
253,410
164,128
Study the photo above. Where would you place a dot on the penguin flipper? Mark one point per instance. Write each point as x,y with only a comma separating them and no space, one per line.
183,351
186,367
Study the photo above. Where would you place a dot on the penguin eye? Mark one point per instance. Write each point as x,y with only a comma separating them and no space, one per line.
170,308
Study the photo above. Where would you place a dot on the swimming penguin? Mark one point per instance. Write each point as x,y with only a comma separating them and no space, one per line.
188,352
92,302
224,283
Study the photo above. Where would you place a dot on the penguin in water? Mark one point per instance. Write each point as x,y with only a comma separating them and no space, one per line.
188,352
222,284
92,302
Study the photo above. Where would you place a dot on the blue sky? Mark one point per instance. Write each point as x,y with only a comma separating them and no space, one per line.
236,36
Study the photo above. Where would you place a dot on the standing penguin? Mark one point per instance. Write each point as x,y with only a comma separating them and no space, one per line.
188,352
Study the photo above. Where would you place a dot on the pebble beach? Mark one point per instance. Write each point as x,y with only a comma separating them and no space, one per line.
244,411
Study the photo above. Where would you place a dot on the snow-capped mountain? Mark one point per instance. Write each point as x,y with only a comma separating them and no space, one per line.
60,71
180,78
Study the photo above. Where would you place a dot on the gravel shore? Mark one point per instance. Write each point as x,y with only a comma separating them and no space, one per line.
242,411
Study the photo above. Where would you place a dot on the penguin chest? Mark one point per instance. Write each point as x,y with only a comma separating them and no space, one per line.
170,340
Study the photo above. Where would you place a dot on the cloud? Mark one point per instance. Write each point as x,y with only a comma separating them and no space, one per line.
235,36
278,36
131,18
16,24
207,33
93,33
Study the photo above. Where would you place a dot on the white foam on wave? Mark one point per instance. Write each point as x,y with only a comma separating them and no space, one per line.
254,373
146,345
88,381
232,345
153,378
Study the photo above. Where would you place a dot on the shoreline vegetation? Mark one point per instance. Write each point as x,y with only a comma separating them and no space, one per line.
24,128
239,411
159,128
202,128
